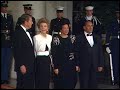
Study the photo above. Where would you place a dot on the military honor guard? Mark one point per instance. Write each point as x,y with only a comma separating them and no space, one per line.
63,59
42,44
112,43
6,42
57,22
89,56
89,16
27,10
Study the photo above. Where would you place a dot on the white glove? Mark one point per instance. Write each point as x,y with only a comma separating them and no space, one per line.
108,50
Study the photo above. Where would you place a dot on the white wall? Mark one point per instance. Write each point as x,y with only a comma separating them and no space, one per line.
16,9
40,9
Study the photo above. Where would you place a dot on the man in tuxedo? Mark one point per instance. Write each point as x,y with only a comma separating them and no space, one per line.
24,53
89,56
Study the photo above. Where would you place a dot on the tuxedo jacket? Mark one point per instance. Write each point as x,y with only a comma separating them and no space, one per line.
23,50
87,56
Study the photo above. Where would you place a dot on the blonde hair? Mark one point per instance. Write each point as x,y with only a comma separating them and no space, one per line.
42,20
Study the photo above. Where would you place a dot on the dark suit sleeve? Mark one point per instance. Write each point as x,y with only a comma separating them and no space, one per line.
76,50
18,50
55,54
101,57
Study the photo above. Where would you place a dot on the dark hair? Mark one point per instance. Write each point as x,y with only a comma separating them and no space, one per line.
64,23
25,17
87,22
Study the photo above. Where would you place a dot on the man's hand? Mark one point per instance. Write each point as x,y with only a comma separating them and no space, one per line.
56,71
77,69
23,69
100,69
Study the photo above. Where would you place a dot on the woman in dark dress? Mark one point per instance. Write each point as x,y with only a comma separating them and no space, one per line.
63,60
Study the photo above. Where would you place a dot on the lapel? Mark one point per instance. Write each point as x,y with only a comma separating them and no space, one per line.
26,37
94,39
32,41
85,41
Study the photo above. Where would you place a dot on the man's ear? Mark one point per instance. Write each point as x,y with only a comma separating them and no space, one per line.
84,27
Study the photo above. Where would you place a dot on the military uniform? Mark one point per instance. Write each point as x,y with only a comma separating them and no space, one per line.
32,29
97,24
63,60
6,43
57,22
112,41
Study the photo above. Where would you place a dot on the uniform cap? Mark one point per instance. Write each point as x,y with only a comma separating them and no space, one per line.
60,9
89,8
4,3
27,6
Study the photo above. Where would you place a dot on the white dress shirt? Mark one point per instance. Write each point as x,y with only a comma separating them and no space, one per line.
40,43
28,34
89,38
3,14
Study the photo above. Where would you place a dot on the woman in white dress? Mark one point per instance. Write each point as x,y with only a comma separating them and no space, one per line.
42,44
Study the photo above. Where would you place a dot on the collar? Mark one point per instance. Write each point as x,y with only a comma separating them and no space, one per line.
3,14
89,17
86,33
24,28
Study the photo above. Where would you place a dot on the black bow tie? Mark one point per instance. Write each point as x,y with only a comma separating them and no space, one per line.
89,34
27,30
